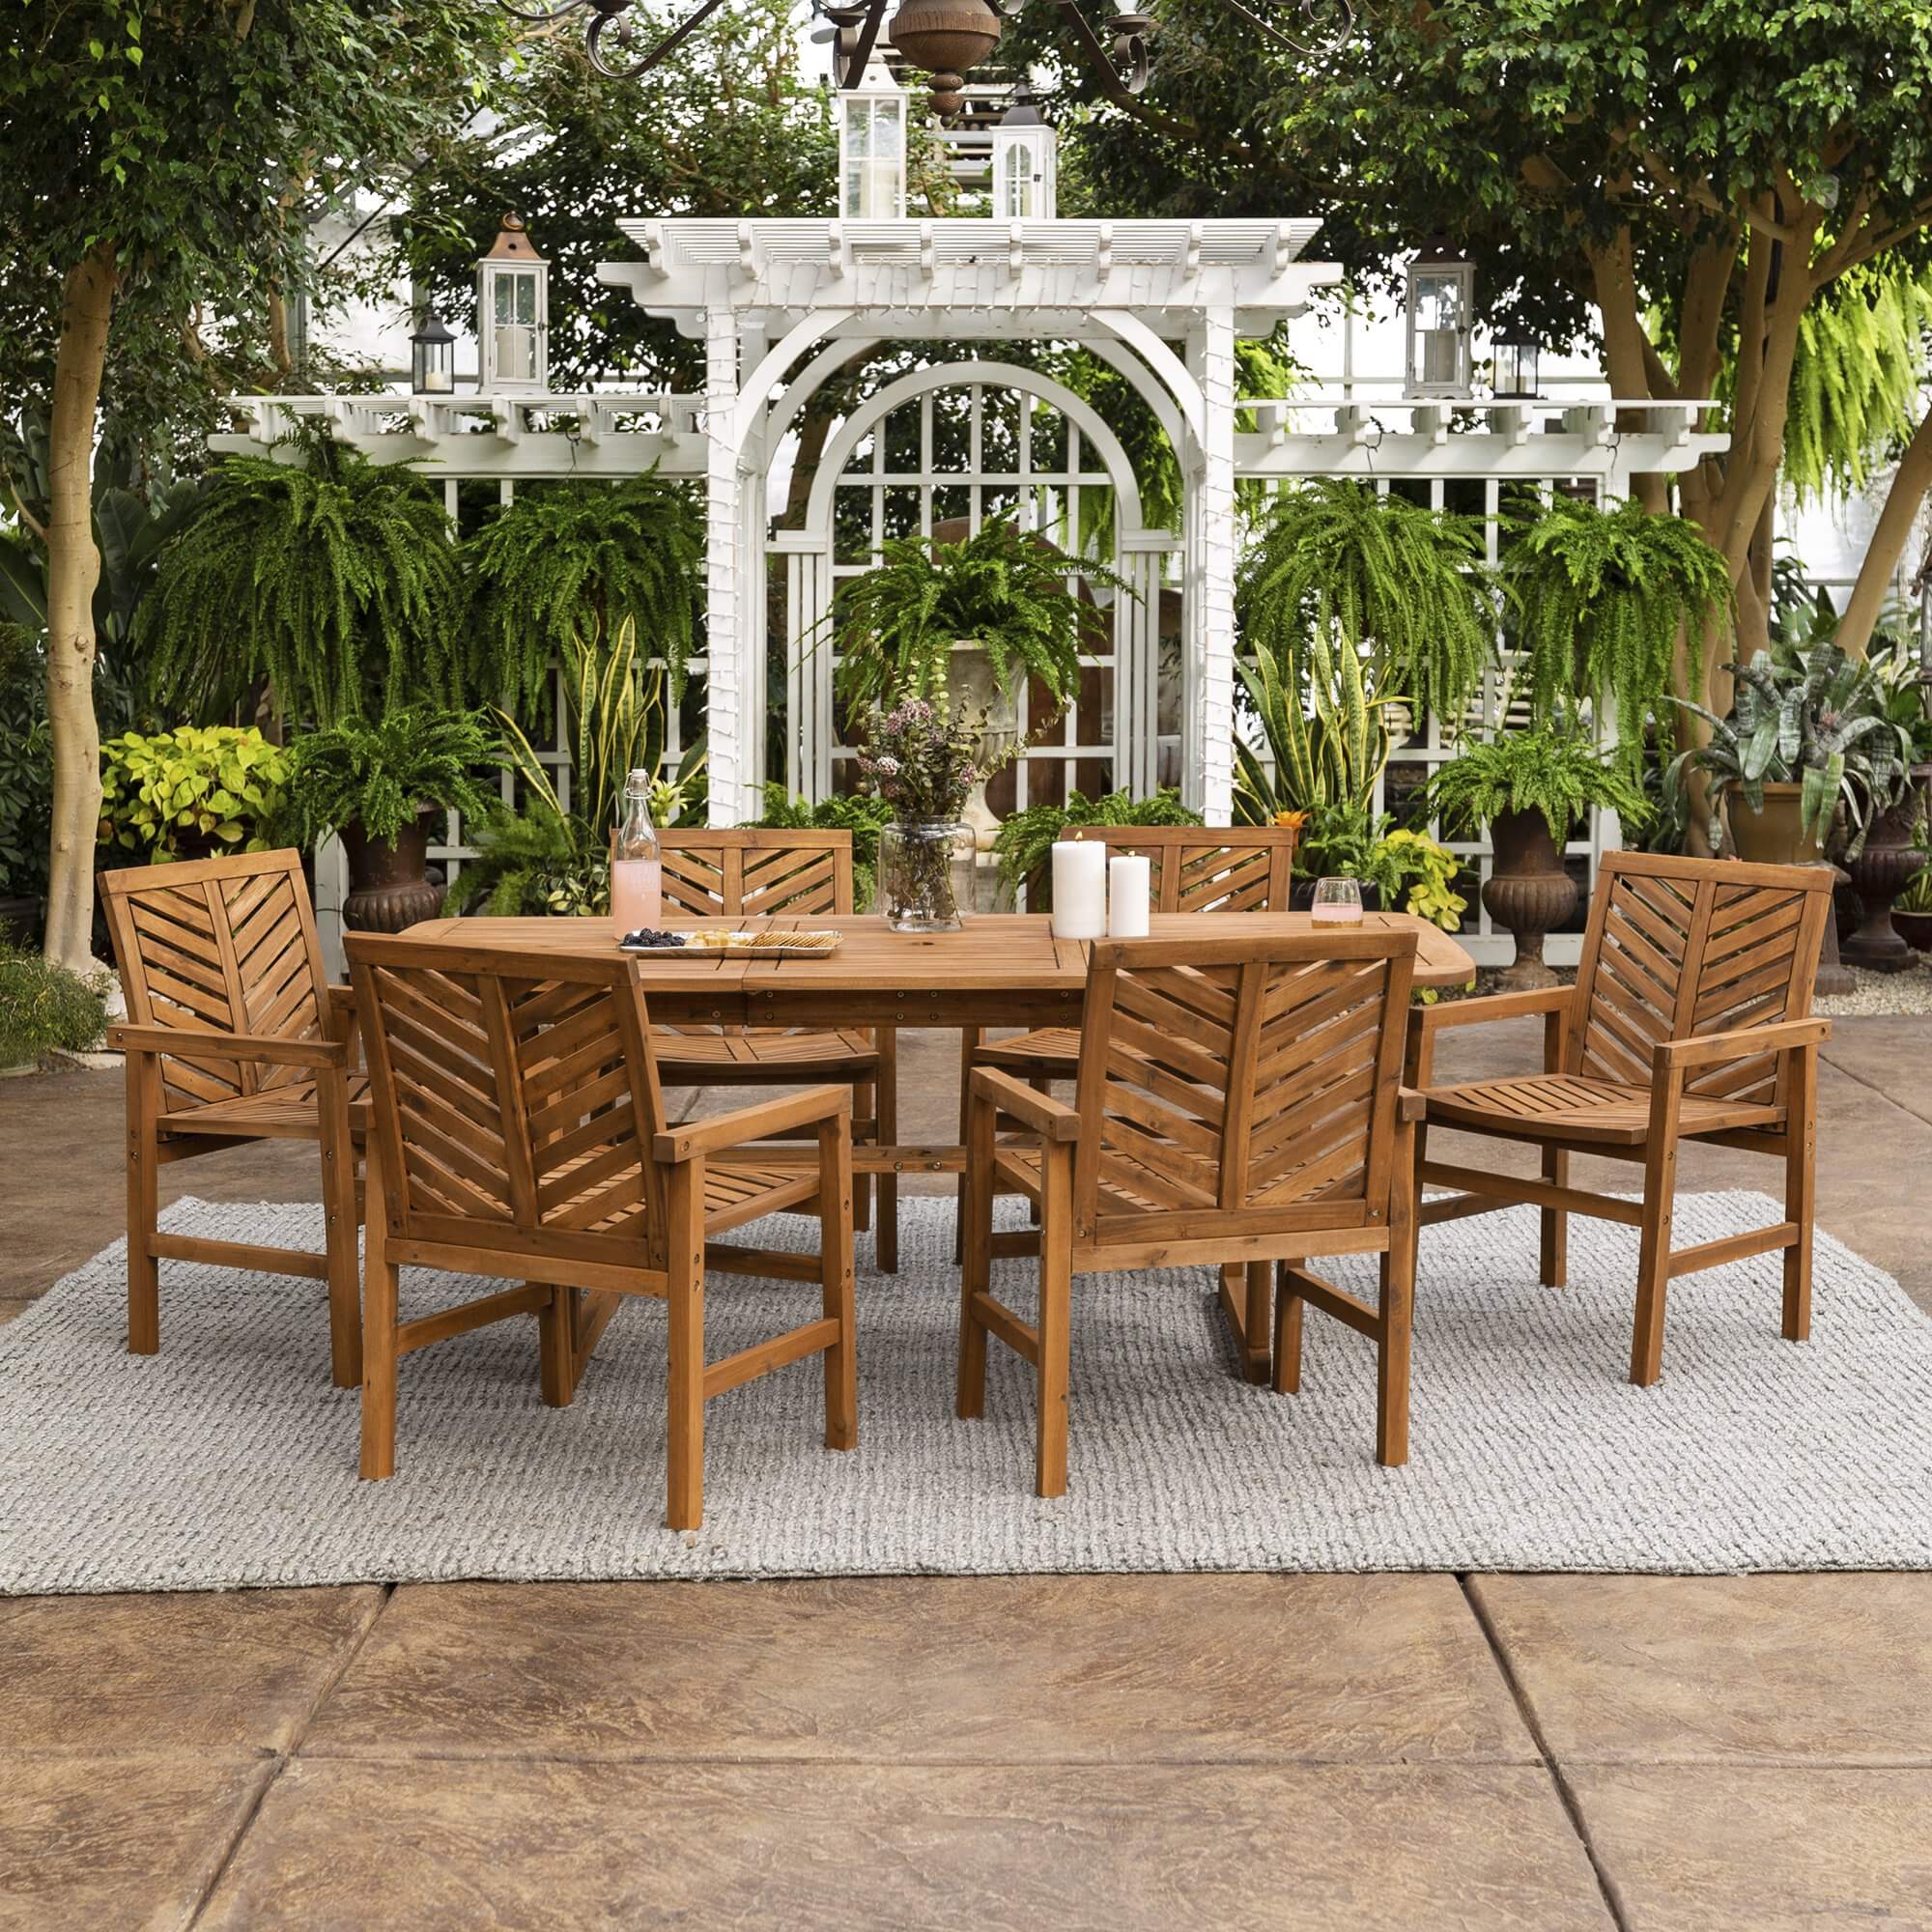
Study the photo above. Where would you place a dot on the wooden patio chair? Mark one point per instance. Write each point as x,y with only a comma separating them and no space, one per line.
751,872
232,1035
1688,1022
1237,1103
519,1131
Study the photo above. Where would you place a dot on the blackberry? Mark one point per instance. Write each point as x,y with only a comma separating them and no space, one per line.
650,937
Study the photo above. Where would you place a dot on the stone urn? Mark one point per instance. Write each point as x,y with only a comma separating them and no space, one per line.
971,688
1880,873
1528,892
389,887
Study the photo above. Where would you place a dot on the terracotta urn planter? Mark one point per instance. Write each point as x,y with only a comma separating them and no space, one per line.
1880,873
1528,892
1776,835
389,887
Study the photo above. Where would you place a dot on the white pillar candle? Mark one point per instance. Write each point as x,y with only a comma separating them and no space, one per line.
1079,889
1129,888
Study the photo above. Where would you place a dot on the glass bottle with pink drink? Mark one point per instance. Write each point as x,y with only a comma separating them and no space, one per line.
637,873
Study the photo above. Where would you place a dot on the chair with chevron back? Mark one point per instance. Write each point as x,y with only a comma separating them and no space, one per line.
1237,1103
751,872
1690,1020
232,1036
519,1132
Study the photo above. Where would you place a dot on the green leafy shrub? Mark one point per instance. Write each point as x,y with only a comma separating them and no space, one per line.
573,563
1555,770
334,579
26,765
1600,596
1024,842
186,793
381,775
859,813
42,1007
1003,587
1410,869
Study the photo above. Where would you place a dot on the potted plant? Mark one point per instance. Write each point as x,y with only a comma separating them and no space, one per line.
1529,787
1912,909
968,622
1025,840
191,793
1806,744
543,859
43,1007
923,760
371,781
1601,597
1891,854
1404,870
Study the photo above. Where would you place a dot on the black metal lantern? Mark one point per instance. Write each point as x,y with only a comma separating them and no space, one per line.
1513,370
433,358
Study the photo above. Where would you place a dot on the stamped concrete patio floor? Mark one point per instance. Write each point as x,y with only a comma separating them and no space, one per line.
1541,1753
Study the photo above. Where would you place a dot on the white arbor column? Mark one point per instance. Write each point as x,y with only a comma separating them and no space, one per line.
1208,755
730,754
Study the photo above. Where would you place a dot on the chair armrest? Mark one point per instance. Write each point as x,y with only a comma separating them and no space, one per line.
755,1122
1492,1007
1409,1105
1741,1043
341,1020
197,1043
1041,1111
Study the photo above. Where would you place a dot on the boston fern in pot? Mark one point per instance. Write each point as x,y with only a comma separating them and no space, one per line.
370,780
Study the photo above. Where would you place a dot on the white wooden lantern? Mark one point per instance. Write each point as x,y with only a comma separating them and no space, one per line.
1441,308
872,149
512,314
1024,164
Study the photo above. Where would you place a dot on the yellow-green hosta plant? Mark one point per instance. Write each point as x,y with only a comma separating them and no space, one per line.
190,792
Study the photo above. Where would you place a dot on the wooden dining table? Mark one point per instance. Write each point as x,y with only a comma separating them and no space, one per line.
997,970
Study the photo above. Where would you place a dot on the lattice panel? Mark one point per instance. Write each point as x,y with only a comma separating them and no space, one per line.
1640,965
1316,1063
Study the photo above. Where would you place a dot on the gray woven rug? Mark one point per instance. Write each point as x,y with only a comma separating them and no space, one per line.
227,1459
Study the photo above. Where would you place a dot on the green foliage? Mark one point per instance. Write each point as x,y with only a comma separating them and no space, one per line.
1336,566
383,776
42,1007
1023,843
1426,871
186,793
26,765
574,562
545,859
1917,897
1602,596
1325,732
1003,587
1809,716
333,579
856,812
1408,868
1554,768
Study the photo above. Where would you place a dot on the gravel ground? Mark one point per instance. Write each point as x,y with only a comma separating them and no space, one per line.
1907,992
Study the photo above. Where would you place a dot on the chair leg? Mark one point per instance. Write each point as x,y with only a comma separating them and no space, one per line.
1288,1307
865,1107
885,1244
338,1219
685,1478
144,1272
379,1333
1260,1307
969,1038
835,1249
1653,1268
1801,1159
1398,1308
557,1343
1553,1258
1056,1282
976,1268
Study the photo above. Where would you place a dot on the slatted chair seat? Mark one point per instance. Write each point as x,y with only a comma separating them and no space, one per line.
232,1035
1584,1109
692,1058
1238,1105
1054,1047
1690,1020
518,1135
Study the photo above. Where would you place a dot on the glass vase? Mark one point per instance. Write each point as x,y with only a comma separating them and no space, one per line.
925,874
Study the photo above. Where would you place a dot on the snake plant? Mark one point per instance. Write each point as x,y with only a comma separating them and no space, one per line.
1808,714
1325,726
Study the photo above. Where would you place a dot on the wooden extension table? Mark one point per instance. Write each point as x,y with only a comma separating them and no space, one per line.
998,970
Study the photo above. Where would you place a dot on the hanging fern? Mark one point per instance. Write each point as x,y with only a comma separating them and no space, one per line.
333,579
572,563
1379,575
1602,597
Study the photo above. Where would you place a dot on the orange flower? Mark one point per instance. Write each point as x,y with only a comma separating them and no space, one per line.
1296,819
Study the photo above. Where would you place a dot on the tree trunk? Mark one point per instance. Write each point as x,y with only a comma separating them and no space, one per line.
1909,484
73,568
